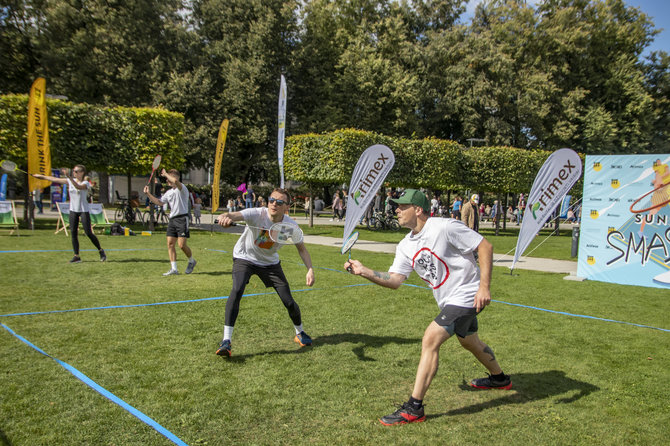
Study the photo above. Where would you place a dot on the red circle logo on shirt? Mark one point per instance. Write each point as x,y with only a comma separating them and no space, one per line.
430,267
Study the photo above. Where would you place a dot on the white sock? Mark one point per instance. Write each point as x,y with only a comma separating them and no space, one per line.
174,266
227,332
298,329
191,259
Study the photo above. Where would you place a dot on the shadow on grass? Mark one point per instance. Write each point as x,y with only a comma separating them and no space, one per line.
4,441
529,387
134,260
351,338
366,340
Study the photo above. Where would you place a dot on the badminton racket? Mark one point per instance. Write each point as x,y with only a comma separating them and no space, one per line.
283,233
154,166
10,166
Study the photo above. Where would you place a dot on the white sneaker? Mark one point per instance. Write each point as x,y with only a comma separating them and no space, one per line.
172,272
190,266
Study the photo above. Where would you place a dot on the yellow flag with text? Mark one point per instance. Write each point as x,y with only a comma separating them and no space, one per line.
218,158
39,154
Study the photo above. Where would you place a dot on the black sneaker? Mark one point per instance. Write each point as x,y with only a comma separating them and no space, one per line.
103,256
75,259
404,415
491,383
224,348
303,339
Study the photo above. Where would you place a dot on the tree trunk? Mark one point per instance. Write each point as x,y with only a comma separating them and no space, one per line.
103,187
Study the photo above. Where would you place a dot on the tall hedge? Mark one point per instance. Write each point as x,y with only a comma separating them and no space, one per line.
114,140
431,163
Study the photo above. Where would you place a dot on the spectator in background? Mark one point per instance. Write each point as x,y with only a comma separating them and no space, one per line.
470,213
456,208
318,204
37,199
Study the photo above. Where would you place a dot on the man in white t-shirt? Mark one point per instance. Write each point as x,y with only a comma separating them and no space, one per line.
256,253
441,251
177,197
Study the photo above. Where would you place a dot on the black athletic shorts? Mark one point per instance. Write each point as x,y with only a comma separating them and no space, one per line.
178,226
459,320
271,275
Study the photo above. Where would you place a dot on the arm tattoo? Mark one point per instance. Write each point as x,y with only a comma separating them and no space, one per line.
382,275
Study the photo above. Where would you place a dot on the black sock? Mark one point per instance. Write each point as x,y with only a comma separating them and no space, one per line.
500,377
415,403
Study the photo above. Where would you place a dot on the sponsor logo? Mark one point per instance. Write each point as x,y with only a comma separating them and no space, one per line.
363,187
597,166
591,260
615,183
552,189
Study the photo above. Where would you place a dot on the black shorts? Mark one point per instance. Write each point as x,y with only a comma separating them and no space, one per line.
178,226
272,275
459,320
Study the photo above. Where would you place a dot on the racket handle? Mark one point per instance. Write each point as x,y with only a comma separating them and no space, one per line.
350,269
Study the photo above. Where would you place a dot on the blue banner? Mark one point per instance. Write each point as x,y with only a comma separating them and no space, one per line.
565,205
3,187
625,230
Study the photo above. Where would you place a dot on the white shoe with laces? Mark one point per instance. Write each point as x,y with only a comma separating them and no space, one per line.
172,272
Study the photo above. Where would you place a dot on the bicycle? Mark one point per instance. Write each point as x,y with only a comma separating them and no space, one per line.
382,220
125,212
160,217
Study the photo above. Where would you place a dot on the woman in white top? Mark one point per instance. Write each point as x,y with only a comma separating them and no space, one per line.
78,191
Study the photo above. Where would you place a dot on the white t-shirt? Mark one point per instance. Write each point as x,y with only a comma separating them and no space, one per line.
442,255
255,245
177,200
78,197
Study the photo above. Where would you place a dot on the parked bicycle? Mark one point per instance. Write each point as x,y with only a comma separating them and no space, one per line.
160,217
382,220
126,213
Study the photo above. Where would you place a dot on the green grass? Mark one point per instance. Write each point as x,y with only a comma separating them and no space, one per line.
577,380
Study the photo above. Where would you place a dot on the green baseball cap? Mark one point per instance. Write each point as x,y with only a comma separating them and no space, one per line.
415,197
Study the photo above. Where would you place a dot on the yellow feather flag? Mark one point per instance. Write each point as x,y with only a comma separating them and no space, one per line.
218,158
39,153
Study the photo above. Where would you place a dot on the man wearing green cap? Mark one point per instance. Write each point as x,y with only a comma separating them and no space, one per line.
441,251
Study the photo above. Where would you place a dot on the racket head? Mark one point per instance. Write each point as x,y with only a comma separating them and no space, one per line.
157,162
7,165
349,242
286,233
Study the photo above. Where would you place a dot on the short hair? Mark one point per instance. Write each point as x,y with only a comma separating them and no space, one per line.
174,172
282,191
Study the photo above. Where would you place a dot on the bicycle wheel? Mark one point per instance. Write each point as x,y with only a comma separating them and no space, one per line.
129,215
393,224
118,215
138,216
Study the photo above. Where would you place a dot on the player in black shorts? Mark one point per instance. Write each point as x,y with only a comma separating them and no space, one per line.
178,226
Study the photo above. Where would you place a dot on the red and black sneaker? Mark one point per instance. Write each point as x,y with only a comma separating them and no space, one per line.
492,383
405,414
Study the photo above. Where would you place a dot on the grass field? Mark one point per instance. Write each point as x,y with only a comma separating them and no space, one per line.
576,380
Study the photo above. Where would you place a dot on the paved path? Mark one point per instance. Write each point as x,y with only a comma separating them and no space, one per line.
528,263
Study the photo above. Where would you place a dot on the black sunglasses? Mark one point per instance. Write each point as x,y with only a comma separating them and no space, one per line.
275,200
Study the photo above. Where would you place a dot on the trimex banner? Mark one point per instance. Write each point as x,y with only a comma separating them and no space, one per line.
625,229
554,180
371,169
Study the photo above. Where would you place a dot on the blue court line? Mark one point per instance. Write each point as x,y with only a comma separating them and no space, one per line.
111,307
102,391
581,315
82,250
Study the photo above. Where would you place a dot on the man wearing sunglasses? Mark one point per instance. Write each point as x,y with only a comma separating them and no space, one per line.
256,253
